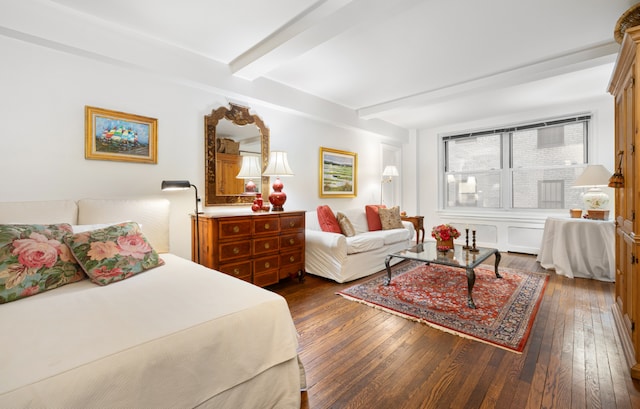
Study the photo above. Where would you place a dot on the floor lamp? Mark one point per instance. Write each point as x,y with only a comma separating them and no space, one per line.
387,176
183,185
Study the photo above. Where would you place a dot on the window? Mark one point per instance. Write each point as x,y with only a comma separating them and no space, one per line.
529,166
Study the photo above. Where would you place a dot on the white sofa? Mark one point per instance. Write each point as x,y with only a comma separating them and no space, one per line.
176,336
341,258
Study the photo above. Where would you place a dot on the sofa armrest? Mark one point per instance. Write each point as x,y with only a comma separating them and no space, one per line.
409,226
333,244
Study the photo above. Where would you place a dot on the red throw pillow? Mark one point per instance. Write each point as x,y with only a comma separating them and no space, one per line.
327,219
373,218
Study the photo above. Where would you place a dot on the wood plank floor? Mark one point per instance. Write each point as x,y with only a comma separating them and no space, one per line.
360,357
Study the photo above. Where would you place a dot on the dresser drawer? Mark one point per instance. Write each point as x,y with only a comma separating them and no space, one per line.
234,229
234,250
291,241
265,245
290,259
266,225
268,278
294,222
240,270
263,264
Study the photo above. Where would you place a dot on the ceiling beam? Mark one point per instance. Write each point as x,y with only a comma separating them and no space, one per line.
319,23
579,60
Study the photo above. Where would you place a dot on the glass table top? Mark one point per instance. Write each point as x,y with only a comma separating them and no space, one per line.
458,257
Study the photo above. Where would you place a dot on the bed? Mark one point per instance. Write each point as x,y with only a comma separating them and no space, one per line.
178,335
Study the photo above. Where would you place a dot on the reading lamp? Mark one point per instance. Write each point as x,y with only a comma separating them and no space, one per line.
387,176
278,166
250,169
593,177
183,185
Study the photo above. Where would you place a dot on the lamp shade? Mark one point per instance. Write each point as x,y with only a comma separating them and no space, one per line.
390,170
593,175
175,184
278,165
250,168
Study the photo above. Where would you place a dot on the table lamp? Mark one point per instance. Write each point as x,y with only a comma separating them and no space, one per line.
278,166
593,177
250,170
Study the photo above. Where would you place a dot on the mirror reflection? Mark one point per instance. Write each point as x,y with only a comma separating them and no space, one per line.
237,150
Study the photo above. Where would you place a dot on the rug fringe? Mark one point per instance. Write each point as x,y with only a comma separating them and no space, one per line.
430,324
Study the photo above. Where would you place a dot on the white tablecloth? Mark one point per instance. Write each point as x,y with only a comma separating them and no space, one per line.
579,248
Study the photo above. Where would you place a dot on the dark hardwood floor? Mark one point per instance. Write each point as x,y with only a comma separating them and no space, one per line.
360,357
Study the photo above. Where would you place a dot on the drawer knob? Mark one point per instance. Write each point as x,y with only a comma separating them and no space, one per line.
236,229
266,226
236,271
236,250
266,245
292,259
292,223
267,265
292,241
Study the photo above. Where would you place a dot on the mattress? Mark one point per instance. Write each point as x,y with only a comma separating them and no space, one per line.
175,336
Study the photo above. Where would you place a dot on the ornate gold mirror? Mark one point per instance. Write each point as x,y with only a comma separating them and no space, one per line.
230,134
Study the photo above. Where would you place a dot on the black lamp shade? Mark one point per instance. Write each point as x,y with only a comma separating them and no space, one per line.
175,184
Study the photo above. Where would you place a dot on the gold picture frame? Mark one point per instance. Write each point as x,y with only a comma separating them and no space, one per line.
338,173
118,136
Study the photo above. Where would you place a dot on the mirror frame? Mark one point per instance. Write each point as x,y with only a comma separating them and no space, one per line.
240,116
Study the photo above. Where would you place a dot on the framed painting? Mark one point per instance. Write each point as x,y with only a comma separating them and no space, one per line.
112,135
338,173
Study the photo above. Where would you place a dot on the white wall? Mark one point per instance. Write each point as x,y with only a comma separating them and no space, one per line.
508,231
42,99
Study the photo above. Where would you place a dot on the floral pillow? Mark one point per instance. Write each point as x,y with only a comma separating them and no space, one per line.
34,258
113,253
390,218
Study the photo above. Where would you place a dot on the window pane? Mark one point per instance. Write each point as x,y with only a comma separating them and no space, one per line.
474,153
539,188
479,189
550,146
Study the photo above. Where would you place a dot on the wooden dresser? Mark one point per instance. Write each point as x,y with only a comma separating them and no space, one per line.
261,248
626,310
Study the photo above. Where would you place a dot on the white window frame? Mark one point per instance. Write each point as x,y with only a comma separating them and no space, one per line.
505,209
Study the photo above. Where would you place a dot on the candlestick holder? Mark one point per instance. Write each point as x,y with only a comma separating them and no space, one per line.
466,240
473,248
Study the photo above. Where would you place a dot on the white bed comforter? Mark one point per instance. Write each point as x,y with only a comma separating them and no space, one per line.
173,336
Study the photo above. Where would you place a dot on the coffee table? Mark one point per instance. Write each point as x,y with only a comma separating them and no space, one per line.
457,257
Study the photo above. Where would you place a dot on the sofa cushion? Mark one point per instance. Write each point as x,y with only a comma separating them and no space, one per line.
390,218
113,253
373,218
34,258
395,235
364,242
345,225
327,219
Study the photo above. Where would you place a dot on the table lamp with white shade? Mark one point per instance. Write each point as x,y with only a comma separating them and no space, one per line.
278,166
250,170
594,177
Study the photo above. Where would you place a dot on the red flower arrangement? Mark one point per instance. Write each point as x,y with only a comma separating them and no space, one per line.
444,232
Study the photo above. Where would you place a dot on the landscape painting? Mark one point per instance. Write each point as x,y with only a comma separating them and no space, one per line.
338,170
118,136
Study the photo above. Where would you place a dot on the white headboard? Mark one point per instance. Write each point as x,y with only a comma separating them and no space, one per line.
39,212
151,214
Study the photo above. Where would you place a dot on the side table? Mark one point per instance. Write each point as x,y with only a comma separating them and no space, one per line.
418,223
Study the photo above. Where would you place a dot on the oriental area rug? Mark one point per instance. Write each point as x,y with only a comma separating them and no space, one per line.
437,296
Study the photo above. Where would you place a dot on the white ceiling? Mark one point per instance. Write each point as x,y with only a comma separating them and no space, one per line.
413,63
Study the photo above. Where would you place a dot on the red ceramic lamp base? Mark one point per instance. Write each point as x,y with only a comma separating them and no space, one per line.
277,198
